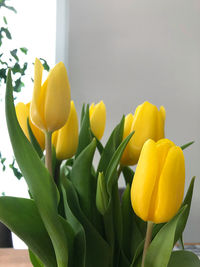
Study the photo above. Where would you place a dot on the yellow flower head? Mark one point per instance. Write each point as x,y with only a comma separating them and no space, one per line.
50,105
158,186
148,123
65,140
98,119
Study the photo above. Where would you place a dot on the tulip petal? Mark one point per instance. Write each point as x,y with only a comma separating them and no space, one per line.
57,98
145,127
126,159
171,186
163,146
127,125
163,112
35,114
67,139
160,124
22,113
91,110
144,180
39,135
98,119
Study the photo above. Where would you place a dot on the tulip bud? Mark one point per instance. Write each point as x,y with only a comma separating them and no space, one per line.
50,105
147,123
98,119
65,139
158,186
102,197
22,111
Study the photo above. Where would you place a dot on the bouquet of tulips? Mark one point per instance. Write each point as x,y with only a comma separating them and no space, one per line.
75,216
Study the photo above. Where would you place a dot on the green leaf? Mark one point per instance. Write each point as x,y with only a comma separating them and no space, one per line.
82,179
112,166
6,31
35,260
132,235
39,180
159,251
187,145
79,252
82,114
15,170
99,144
111,146
34,141
14,54
5,20
85,136
45,64
22,217
18,85
102,198
97,250
183,258
69,232
187,201
24,50
128,174
117,222
85,183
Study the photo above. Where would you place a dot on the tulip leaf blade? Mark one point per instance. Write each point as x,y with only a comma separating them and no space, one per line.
111,146
83,180
82,114
79,234
34,141
35,260
159,251
70,235
131,233
100,255
99,144
102,198
187,145
128,174
85,136
183,258
114,161
22,217
43,191
187,201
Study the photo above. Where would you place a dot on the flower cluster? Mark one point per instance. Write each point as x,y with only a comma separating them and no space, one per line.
75,216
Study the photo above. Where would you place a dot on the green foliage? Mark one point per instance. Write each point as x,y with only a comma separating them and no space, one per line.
77,219
11,59
184,259
2,161
15,170
163,242
28,225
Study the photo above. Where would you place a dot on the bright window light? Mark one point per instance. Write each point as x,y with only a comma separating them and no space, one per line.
33,27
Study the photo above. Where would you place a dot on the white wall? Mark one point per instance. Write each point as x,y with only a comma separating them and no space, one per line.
126,52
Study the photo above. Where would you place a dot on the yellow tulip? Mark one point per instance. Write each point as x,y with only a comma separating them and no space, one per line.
65,140
22,111
50,105
98,119
148,123
158,186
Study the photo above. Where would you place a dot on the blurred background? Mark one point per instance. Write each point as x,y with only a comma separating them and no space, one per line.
121,52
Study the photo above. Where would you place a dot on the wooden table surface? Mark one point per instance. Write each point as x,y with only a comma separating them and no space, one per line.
10,257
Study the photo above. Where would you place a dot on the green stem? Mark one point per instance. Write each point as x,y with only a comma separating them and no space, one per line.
48,157
147,240
120,170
